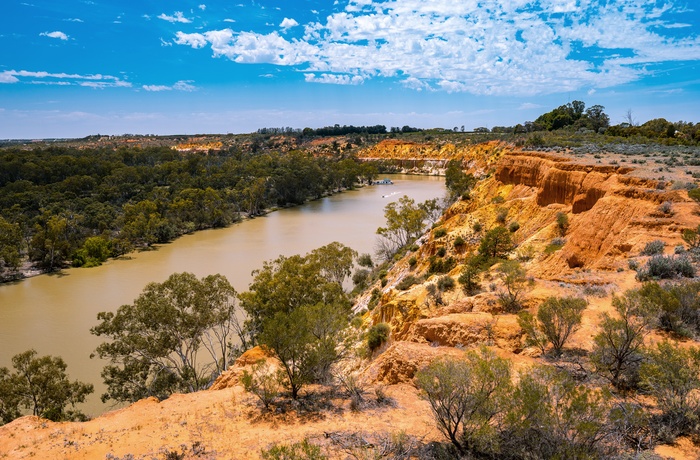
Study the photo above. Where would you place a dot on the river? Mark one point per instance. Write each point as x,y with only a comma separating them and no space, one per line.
54,313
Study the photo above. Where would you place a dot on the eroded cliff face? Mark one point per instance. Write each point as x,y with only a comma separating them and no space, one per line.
611,215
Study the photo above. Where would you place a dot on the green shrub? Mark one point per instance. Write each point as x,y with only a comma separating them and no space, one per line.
515,282
445,283
557,319
360,278
666,207
465,396
374,299
298,451
666,267
477,227
618,347
553,417
365,260
562,223
407,282
653,248
441,265
263,381
694,194
459,242
513,227
554,245
678,306
412,261
439,232
378,335
692,238
470,276
671,375
501,215
495,244
441,251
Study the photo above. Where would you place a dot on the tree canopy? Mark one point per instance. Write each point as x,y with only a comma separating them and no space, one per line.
175,337
54,199
40,385
297,308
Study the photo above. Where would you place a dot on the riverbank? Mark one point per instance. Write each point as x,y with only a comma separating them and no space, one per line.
29,269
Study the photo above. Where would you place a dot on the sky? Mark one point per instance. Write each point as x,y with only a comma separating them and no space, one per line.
72,68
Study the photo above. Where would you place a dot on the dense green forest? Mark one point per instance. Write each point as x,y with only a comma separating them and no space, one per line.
64,205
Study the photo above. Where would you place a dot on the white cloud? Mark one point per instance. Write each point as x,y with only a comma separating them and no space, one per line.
229,20
529,106
165,43
157,88
499,47
55,34
74,20
177,17
182,85
334,79
288,23
6,77
62,79
202,7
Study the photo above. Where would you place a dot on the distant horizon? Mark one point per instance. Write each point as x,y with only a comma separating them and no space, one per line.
74,69
255,131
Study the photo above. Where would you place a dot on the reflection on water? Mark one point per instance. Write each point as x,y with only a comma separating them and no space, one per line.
54,313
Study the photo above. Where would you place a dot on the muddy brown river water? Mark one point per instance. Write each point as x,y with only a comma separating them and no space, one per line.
54,313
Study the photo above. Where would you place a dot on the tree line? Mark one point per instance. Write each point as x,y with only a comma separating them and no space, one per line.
62,205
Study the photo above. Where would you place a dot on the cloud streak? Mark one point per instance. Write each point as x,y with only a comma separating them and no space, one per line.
182,85
488,47
62,79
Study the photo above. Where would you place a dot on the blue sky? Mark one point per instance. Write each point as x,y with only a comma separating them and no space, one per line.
70,68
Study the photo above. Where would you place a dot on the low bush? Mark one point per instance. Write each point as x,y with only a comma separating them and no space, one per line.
441,265
445,283
666,267
672,375
501,215
439,232
557,319
378,335
562,223
407,282
298,451
653,248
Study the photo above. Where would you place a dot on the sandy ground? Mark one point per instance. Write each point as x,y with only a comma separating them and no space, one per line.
215,424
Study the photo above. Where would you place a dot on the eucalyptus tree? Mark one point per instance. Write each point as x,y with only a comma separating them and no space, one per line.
176,337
